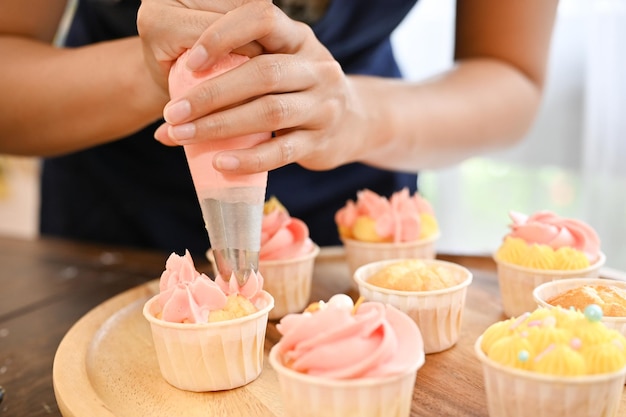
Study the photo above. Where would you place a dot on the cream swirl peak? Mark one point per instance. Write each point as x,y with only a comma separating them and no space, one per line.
374,218
547,228
341,341
188,296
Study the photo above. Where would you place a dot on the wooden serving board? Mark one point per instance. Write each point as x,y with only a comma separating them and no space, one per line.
106,365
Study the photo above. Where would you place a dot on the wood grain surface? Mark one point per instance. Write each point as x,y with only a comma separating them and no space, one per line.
83,303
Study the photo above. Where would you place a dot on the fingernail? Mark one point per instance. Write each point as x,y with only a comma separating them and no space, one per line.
181,132
227,163
177,112
197,57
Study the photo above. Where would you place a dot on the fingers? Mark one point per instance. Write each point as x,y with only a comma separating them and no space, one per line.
263,75
257,23
274,153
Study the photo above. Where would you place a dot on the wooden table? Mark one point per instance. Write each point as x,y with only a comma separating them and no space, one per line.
48,285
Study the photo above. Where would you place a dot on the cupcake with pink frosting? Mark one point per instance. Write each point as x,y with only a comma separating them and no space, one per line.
286,259
339,359
208,335
375,228
540,248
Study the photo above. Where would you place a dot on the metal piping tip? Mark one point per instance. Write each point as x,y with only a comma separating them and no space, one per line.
237,262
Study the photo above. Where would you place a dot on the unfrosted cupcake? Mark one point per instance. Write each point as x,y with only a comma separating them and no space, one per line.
338,360
375,228
208,335
286,259
540,248
553,362
578,293
431,292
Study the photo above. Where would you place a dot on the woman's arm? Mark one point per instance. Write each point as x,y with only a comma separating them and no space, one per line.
59,100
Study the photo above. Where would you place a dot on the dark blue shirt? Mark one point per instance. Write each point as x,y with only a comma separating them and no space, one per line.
137,192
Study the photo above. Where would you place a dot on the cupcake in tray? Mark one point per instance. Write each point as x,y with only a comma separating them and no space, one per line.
540,248
339,359
375,228
553,363
208,335
431,292
578,293
286,259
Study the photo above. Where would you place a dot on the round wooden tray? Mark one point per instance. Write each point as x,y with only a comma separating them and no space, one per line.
106,366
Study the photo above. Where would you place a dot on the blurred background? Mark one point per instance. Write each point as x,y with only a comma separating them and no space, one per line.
573,161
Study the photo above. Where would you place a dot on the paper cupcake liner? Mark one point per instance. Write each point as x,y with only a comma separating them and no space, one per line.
548,290
289,282
210,356
516,393
517,283
360,253
438,313
310,396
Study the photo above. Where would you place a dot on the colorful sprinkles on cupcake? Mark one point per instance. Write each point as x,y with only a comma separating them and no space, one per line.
556,341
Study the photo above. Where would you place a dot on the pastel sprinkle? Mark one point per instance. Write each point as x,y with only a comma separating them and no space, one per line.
593,313
545,352
576,343
523,356
534,323
519,320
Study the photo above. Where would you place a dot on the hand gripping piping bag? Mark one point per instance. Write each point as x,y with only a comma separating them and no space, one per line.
232,205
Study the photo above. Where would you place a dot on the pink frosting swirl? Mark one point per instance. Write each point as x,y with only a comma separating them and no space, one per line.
283,237
251,290
187,296
547,228
335,342
397,218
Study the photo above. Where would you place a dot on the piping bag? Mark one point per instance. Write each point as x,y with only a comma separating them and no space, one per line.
232,205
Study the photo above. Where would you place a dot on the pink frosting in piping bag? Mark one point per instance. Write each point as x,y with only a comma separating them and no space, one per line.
232,205
200,156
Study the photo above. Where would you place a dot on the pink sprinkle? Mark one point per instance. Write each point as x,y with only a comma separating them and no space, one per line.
545,352
576,343
534,323
519,320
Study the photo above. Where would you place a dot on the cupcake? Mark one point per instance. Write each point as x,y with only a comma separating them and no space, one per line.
338,359
286,259
578,293
375,228
431,292
553,362
208,335
540,248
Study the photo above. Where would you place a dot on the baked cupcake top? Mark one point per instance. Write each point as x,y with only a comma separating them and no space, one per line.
188,296
282,236
374,218
341,340
556,341
415,275
547,241
611,299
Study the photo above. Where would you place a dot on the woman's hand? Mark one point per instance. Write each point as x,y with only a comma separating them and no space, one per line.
292,87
